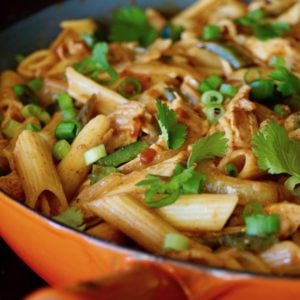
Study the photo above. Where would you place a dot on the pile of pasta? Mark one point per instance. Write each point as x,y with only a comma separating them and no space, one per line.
152,95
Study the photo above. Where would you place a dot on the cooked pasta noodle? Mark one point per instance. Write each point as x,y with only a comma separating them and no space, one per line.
177,135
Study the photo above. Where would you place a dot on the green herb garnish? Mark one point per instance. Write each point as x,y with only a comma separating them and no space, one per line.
71,217
174,133
131,24
208,147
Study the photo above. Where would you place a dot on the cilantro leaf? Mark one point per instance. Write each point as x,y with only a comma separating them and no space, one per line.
174,133
208,147
275,152
71,217
161,192
131,24
288,84
256,20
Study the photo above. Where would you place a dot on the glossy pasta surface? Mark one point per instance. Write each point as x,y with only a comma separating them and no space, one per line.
178,135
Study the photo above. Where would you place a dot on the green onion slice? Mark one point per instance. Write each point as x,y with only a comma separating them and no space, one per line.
11,128
293,184
211,83
212,98
61,149
94,154
211,33
36,84
252,208
228,89
105,76
262,224
214,113
33,110
130,87
176,242
67,130
33,127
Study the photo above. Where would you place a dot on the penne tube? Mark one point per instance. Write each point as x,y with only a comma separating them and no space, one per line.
140,223
283,258
48,132
82,89
72,169
193,213
37,63
37,172
107,232
247,190
245,162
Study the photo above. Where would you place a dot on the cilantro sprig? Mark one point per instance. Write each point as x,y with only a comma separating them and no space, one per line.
275,152
256,20
131,24
97,63
71,217
162,192
208,147
174,133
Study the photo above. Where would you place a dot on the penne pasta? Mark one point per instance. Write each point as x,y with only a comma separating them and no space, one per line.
38,174
72,169
205,212
82,89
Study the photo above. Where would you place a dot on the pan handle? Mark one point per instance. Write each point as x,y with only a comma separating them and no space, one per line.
145,281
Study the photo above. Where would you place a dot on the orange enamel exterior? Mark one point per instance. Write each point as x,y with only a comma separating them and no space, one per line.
64,257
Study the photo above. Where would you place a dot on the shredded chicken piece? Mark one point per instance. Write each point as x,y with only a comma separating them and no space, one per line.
239,121
126,126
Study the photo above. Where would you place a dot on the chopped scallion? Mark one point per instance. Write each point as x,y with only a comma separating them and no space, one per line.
228,89
32,110
33,127
61,149
213,82
214,113
67,130
212,98
11,128
293,184
262,224
36,84
130,87
176,242
211,33
94,154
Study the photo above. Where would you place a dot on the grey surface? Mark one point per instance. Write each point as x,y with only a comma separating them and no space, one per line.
37,31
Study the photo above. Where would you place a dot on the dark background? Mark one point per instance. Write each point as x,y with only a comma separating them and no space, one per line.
16,279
